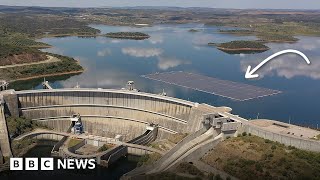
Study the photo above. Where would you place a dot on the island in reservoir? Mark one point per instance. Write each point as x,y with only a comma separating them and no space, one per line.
128,35
244,47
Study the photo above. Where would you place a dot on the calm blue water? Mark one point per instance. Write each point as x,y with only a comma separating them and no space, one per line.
110,63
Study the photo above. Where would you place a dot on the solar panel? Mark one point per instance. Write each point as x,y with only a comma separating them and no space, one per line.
229,89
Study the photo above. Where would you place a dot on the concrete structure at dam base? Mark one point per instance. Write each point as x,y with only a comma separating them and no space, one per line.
129,121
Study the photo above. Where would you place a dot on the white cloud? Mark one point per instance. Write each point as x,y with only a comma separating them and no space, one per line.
202,39
197,48
102,40
91,78
242,55
287,66
309,47
156,39
104,52
305,44
142,52
101,79
115,41
165,63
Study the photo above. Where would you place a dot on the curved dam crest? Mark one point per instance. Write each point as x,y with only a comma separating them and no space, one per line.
107,112
128,113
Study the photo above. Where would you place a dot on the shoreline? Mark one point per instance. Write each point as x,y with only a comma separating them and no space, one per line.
278,41
42,47
50,59
242,49
82,35
65,35
127,37
47,75
237,33
261,38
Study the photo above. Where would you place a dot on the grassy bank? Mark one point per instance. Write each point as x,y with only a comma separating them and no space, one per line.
35,26
66,65
19,125
19,47
148,159
281,32
74,142
105,147
251,157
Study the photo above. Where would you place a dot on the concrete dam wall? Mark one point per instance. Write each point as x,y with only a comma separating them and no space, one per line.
301,143
108,112
5,149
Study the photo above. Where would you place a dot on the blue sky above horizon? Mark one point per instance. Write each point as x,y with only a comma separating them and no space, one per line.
241,4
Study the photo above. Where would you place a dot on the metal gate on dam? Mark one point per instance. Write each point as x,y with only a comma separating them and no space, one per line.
107,112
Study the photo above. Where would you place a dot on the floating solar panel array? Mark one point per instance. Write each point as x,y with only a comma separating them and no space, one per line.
229,89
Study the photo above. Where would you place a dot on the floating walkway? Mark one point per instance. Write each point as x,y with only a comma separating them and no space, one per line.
229,89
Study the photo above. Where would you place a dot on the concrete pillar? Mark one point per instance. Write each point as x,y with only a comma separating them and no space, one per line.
11,103
4,135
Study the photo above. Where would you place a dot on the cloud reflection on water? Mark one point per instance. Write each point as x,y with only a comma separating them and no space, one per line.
104,52
142,52
91,78
202,39
165,63
156,39
288,65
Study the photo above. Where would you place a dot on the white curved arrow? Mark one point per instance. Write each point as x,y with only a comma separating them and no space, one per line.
250,73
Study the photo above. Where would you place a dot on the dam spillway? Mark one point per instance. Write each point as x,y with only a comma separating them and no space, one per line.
108,112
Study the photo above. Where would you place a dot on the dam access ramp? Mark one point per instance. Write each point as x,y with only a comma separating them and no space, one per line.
176,156
184,148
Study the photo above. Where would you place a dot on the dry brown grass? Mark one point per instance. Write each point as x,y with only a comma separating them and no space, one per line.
149,159
188,168
74,142
251,157
175,138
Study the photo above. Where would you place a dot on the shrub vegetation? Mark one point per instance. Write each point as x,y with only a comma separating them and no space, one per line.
255,158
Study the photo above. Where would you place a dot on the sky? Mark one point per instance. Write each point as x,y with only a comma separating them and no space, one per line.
237,4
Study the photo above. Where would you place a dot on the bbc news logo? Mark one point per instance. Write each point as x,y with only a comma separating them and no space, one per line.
48,164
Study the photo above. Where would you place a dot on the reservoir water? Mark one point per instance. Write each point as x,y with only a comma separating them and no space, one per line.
110,63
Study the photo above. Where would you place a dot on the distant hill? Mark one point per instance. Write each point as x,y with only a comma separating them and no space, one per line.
39,10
